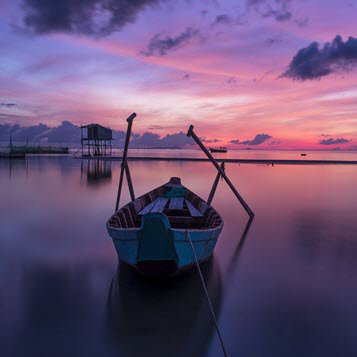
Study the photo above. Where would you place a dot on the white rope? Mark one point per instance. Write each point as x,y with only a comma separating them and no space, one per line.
208,298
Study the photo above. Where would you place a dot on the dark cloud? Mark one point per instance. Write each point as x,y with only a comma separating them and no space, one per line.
20,133
313,62
89,17
278,15
222,19
258,139
160,46
8,105
302,22
147,139
231,80
273,40
70,133
277,9
65,132
332,141
210,141
180,139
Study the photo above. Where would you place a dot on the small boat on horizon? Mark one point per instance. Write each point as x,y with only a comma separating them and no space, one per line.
151,232
219,149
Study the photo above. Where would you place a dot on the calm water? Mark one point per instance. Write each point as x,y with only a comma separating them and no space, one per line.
246,154
288,288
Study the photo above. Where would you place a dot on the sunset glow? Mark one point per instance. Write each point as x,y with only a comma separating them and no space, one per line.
215,64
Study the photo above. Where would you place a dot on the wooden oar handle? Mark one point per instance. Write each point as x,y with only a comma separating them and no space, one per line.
131,117
190,130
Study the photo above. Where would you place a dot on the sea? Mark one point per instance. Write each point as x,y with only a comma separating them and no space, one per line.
283,284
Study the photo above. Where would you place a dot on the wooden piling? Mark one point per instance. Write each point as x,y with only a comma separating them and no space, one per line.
215,163
124,162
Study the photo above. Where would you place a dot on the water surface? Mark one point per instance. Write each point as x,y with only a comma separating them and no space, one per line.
286,288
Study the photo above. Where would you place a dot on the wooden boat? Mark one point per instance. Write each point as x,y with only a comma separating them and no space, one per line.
220,149
154,232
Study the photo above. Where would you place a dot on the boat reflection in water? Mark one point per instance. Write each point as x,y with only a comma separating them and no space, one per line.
163,318
97,171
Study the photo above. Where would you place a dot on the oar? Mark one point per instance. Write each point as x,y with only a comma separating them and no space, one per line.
215,163
125,153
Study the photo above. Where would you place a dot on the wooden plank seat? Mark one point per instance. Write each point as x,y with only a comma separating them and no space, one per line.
176,203
158,205
194,212
147,208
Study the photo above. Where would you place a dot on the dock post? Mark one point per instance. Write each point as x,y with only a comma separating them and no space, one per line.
130,183
125,153
191,133
215,184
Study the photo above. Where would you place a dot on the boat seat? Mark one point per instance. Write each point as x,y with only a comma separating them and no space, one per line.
156,239
157,205
147,208
176,203
193,211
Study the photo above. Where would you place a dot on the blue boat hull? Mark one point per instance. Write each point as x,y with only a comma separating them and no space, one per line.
126,243
154,232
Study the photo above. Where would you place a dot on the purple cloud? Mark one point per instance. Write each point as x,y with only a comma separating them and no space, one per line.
278,9
8,105
258,139
90,17
313,62
332,141
222,19
210,141
160,46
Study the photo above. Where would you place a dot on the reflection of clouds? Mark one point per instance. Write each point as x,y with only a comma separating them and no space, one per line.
320,238
165,318
14,167
57,311
300,324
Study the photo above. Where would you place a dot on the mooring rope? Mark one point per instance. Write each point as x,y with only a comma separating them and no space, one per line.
207,296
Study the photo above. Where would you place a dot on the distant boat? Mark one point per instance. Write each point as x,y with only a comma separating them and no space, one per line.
303,154
151,232
220,149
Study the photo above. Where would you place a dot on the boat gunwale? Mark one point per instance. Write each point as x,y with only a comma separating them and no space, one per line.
167,184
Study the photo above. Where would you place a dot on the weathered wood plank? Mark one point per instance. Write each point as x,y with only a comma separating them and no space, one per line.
193,211
160,204
203,207
176,203
148,208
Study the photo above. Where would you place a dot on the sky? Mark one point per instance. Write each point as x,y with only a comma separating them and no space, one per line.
262,73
